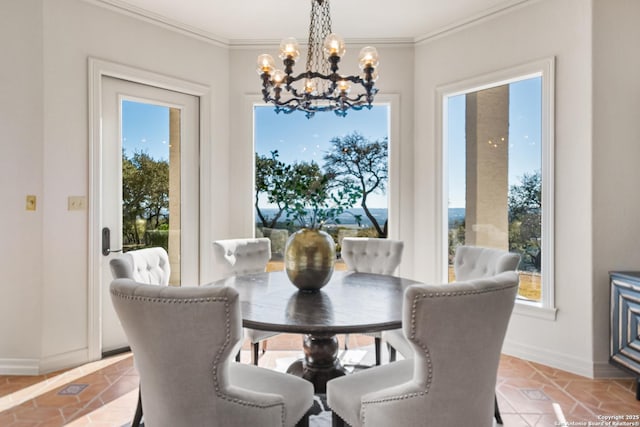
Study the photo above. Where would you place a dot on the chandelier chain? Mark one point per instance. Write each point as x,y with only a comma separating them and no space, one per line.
319,29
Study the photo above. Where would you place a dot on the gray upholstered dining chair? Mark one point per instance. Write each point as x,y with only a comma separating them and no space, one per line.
456,332
150,266
472,262
367,255
371,255
183,340
469,262
245,256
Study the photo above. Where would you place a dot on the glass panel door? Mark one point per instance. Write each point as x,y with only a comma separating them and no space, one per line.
149,184
151,179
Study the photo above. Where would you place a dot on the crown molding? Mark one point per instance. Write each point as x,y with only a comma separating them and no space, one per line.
271,43
124,8
154,18
501,9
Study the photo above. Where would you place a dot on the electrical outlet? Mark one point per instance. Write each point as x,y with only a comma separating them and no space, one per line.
31,202
76,203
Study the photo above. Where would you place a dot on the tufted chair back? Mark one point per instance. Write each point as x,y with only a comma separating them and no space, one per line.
183,340
367,255
436,321
149,265
456,332
242,256
472,262
245,256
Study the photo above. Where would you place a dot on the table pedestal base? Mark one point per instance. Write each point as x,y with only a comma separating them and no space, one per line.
320,363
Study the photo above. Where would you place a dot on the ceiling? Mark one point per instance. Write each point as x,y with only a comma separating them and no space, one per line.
239,22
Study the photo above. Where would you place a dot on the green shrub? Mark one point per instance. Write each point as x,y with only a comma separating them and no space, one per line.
157,238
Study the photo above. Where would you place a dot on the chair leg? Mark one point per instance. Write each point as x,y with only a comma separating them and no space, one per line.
256,351
138,415
304,421
346,342
264,346
238,356
497,412
378,344
336,421
392,353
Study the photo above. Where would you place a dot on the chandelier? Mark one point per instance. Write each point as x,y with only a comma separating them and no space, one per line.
320,87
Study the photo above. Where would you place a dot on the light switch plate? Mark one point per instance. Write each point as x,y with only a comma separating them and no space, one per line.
31,202
76,203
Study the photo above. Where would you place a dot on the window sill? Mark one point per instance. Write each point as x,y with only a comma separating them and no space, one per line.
534,309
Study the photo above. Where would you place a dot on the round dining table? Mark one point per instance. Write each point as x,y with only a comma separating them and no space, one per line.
350,303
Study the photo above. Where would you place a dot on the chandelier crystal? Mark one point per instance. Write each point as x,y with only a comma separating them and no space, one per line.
320,87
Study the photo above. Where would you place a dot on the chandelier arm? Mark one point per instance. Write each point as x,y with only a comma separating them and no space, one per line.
296,95
310,110
312,75
333,78
289,102
363,98
355,101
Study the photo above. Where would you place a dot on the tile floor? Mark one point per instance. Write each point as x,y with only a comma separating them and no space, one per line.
104,393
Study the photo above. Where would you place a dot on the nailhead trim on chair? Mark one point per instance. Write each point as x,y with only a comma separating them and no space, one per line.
424,347
220,352
429,368
215,372
169,300
216,361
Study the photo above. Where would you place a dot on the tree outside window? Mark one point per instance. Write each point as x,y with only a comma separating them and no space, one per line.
321,172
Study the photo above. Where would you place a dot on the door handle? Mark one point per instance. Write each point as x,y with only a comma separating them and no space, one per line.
106,242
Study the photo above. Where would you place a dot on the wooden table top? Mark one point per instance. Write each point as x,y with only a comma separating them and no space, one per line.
350,303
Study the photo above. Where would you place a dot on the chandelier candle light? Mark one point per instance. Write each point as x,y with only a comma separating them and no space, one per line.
321,88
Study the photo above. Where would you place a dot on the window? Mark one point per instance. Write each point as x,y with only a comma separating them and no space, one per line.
287,146
497,147
147,159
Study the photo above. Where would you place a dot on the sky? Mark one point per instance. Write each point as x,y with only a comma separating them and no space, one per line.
297,138
145,127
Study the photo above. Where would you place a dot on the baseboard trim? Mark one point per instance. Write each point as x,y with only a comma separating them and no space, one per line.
567,363
70,359
607,370
45,365
19,366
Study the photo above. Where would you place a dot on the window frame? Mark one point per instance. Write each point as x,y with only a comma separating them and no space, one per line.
543,68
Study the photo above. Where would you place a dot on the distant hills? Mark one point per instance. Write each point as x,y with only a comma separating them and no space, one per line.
349,217
455,214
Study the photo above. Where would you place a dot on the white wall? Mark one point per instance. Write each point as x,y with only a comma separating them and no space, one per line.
545,28
616,155
47,117
396,77
21,159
